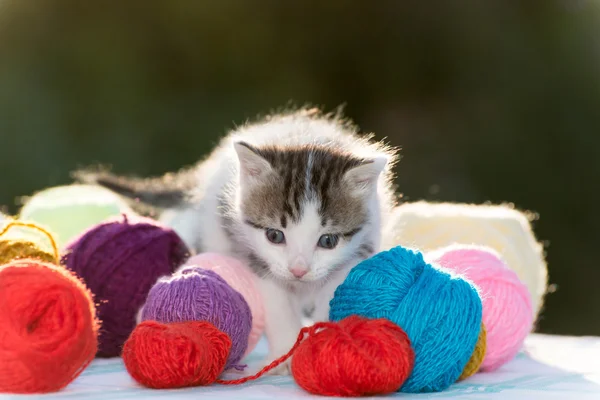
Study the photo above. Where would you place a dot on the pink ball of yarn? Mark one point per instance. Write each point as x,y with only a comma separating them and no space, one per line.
239,276
507,309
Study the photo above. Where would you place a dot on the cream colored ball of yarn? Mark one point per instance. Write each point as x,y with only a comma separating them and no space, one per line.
429,226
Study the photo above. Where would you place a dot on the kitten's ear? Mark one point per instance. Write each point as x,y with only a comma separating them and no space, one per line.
252,164
364,176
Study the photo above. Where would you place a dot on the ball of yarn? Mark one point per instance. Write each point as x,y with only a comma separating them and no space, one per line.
429,226
239,276
195,294
49,330
120,260
440,313
69,210
17,242
15,249
175,355
506,301
477,357
356,357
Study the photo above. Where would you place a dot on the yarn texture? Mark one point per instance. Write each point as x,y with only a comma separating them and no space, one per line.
21,247
120,260
175,355
477,357
72,209
440,313
507,309
15,249
49,329
195,294
356,357
239,276
429,226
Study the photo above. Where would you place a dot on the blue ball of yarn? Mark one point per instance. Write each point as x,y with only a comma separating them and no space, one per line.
441,313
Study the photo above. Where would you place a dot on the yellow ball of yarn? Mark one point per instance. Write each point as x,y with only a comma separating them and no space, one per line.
20,246
430,226
477,357
15,249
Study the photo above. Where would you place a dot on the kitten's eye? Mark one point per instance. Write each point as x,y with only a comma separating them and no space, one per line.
328,241
275,236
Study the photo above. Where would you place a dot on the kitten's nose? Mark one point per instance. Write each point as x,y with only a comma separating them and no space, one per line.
299,267
299,272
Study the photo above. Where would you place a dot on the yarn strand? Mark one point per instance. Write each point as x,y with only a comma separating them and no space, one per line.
306,331
39,229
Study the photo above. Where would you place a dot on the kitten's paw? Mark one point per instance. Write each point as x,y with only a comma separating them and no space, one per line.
282,369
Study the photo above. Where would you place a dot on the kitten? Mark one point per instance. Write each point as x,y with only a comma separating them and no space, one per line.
299,196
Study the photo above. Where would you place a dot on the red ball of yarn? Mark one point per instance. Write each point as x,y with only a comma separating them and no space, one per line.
48,327
354,357
175,355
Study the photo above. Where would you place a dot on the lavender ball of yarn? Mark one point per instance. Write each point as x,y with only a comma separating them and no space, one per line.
120,260
196,294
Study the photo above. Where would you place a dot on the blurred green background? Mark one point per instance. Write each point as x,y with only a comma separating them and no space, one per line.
490,101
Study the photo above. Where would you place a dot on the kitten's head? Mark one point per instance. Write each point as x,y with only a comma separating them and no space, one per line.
307,209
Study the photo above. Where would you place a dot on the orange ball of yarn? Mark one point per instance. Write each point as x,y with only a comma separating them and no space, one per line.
175,355
354,357
48,326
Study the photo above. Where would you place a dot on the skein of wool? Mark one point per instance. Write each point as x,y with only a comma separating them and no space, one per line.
477,356
506,301
120,260
240,278
154,352
355,357
49,329
72,209
429,226
440,313
22,246
196,294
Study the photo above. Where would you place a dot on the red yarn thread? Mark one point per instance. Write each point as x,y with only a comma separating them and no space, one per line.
48,333
175,355
354,357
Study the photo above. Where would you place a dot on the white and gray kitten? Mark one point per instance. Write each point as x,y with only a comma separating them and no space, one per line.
299,196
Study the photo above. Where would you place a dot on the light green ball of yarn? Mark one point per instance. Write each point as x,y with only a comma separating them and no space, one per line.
67,211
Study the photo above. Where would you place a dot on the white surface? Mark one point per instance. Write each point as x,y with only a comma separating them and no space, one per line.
551,367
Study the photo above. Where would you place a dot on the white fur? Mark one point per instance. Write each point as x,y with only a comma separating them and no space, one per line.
300,248
285,296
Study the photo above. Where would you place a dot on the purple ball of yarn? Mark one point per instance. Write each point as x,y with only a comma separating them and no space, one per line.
119,261
196,294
